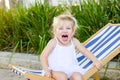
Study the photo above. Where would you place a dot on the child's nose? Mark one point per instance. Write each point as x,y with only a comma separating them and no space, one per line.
65,30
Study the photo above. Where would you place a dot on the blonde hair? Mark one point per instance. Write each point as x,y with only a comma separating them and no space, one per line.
68,17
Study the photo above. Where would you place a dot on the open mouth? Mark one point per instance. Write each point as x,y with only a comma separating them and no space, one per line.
64,37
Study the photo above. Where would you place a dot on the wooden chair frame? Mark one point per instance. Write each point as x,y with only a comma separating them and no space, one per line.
93,71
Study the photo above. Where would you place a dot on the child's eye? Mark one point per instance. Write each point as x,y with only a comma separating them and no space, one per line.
68,28
60,28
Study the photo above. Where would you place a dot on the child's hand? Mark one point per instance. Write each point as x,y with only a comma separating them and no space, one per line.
48,73
98,64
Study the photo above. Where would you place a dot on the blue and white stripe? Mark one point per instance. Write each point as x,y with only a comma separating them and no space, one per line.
101,45
38,72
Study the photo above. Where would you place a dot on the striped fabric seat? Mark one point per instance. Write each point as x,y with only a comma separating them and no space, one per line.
101,45
38,72
105,45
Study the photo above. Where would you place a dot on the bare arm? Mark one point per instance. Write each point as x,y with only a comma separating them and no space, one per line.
45,53
87,53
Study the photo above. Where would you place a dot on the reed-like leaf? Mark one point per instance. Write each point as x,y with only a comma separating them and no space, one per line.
31,27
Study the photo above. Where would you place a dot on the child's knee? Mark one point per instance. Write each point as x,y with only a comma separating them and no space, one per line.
60,76
76,76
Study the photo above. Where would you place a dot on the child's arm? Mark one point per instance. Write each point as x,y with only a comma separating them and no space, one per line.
45,53
87,53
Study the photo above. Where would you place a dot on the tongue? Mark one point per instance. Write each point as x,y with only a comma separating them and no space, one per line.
64,38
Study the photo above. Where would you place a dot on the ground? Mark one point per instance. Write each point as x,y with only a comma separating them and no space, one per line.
6,74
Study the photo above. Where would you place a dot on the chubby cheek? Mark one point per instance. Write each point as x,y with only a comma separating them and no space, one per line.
57,34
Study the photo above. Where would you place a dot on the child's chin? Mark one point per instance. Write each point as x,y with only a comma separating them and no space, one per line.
65,41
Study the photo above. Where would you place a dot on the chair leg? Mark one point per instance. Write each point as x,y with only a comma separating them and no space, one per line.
96,77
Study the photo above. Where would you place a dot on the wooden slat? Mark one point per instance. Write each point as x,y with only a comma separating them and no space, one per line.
104,61
96,76
17,69
36,77
107,59
109,24
89,73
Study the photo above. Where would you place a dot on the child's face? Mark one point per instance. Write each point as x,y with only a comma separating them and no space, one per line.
64,32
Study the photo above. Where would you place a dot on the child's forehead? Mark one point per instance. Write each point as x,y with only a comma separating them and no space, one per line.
64,22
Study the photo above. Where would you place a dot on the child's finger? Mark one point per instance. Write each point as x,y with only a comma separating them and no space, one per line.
99,66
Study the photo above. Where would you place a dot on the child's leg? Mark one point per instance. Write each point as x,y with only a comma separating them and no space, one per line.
76,76
57,75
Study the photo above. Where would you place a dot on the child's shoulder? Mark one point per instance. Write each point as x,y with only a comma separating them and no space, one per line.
52,42
75,41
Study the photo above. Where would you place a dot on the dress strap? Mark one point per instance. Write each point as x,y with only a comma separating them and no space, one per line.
72,42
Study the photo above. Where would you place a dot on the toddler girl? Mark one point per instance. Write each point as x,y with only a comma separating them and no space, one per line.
58,57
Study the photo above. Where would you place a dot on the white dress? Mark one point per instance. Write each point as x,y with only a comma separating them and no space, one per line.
63,58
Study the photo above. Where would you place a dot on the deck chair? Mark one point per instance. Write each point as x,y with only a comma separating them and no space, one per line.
105,45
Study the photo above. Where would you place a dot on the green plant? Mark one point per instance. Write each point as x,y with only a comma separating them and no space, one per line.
91,17
30,28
